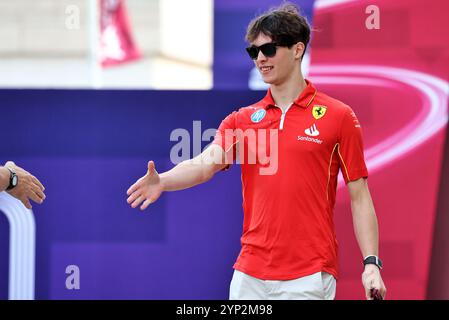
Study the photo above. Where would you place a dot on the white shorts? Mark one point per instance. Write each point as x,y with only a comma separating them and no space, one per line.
318,286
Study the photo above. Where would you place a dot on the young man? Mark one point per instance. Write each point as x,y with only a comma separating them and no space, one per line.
289,248
21,184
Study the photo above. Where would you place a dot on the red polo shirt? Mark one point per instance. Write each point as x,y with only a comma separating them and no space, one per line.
289,188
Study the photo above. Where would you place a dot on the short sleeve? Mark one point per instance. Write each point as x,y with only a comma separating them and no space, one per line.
225,137
350,150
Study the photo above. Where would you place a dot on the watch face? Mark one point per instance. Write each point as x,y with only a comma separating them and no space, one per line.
15,180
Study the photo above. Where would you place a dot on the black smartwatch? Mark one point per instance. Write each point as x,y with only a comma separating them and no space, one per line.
13,179
373,260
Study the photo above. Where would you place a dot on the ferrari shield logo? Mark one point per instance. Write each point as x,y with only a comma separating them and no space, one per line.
319,111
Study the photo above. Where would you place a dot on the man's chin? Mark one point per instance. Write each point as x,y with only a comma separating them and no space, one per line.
267,80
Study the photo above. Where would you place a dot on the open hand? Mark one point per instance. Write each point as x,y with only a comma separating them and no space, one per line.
147,189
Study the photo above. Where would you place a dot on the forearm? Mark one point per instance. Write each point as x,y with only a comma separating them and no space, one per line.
365,224
4,178
185,175
367,234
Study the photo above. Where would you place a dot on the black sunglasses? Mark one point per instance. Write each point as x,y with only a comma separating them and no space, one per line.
268,50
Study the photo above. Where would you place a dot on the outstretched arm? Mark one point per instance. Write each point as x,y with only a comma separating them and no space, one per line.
184,175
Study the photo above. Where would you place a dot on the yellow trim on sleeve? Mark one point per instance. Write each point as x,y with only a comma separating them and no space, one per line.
344,165
329,172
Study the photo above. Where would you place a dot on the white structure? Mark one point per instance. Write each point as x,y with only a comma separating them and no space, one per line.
22,248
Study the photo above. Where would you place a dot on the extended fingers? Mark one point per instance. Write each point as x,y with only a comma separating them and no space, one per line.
40,194
133,188
137,201
26,202
33,196
133,196
37,183
33,189
38,189
146,203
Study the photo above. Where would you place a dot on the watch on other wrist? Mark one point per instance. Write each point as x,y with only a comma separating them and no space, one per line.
13,179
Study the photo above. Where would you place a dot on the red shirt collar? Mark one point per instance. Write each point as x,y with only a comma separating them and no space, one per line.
304,100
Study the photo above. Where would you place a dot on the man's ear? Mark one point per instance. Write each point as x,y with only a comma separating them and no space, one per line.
299,49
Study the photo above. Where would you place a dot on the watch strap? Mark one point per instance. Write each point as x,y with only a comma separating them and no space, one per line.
373,260
12,175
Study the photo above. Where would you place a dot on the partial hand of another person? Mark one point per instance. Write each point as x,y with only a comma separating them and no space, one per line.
147,189
28,186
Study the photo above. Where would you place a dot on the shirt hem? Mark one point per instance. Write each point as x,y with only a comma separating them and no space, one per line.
291,276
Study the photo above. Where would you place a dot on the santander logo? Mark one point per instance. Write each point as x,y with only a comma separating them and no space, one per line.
312,131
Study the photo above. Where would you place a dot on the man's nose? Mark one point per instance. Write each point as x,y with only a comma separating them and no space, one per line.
261,56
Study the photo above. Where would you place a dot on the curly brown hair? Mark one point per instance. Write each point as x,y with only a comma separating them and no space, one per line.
284,25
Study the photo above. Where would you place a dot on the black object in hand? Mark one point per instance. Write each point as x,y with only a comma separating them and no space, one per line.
375,294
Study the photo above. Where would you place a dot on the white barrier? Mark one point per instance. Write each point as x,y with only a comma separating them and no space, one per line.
22,247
